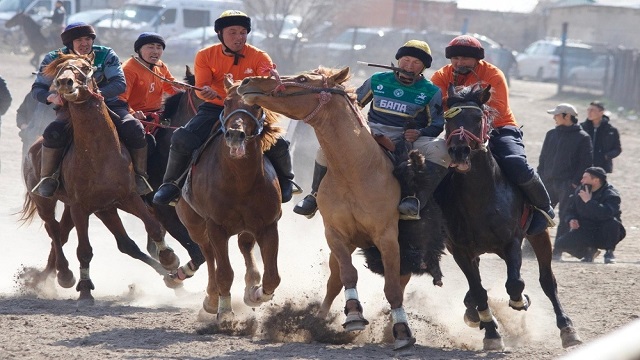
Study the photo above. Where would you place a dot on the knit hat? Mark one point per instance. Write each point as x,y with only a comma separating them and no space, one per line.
77,30
418,49
231,18
148,38
464,45
597,172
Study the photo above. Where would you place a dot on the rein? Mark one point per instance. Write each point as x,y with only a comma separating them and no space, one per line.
324,95
464,134
151,126
259,122
172,82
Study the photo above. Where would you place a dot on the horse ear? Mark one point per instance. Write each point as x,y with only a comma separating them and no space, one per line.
341,76
486,94
451,92
228,81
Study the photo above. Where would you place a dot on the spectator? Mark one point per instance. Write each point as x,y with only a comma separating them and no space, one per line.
605,138
57,21
566,152
593,216
5,99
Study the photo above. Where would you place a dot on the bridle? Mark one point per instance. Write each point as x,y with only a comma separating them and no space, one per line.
324,94
87,77
259,122
464,134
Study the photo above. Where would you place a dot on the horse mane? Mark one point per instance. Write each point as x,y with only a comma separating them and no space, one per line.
52,68
327,72
473,93
172,102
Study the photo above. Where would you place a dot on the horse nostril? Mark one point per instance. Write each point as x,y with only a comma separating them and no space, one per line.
242,136
69,82
245,81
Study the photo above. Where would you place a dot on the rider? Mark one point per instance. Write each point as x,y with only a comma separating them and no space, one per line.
145,90
78,38
505,141
397,99
231,56
57,20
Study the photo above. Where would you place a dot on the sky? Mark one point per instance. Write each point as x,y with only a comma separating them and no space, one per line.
498,5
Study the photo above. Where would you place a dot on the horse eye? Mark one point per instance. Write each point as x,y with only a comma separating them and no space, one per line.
301,79
255,107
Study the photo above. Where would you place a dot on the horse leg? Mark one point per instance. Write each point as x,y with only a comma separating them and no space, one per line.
334,286
252,276
126,245
85,254
135,206
515,284
219,240
469,264
541,244
268,241
169,219
55,230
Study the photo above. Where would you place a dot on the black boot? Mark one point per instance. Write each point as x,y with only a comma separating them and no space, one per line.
411,205
308,206
169,191
280,159
50,161
139,160
538,197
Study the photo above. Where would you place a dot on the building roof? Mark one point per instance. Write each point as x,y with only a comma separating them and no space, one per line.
519,6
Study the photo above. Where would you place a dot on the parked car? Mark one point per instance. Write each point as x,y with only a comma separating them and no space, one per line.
597,74
541,59
91,17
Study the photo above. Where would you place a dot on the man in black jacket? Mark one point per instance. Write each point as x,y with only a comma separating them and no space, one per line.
566,152
593,216
604,137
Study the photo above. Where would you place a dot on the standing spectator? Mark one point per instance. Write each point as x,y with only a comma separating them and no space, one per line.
593,216
605,138
566,152
5,99
57,21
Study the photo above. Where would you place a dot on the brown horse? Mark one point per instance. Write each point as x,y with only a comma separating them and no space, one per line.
97,178
38,43
358,197
233,189
485,213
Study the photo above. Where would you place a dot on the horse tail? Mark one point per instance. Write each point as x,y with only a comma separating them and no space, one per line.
28,211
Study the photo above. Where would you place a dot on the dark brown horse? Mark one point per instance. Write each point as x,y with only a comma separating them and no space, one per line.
233,189
97,178
484,214
38,43
359,195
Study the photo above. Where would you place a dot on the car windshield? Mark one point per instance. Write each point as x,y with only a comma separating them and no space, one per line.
139,13
13,5
196,34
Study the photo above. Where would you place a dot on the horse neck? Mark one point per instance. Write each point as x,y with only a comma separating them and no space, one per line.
247,167
93,129
347,144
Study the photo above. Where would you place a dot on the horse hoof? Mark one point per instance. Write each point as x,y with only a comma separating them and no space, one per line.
169,259
569,337
210,306
86,301
66,279
206,317
226,316
172,282
493,344
403,344
355,322
471,318
254,296
523,304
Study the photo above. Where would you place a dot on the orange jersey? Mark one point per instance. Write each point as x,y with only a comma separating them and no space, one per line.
211,65
144,90
488,74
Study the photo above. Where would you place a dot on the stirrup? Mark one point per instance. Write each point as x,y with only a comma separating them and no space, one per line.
36,189
146,188
167,186
409,216
297,190
550,222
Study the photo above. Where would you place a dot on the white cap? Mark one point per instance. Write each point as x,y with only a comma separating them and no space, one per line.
563,109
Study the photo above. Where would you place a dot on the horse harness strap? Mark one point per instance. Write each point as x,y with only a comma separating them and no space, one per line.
259,122
463,133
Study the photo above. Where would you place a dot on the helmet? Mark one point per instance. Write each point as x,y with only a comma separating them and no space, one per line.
464,45
148,38
231,18
418,49
77,30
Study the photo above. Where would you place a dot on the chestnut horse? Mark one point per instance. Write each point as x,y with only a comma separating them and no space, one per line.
484,214
96,176
358,196
233,189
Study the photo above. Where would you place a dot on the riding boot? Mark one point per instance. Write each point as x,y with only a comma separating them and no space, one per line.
50,161
139,160
308,206
169,191
411,205
538,197
280,158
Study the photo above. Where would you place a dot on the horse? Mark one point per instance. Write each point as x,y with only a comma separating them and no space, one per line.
178,110
486,213
38,43
358,196
97,177
233,189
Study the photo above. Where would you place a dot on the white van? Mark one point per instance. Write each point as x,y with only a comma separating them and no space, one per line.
166,17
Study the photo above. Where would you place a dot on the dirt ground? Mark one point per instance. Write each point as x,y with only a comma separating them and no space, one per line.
136,317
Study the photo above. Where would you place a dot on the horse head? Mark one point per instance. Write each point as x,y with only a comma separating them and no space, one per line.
310,89
16,20
241,122
72,76
467,123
